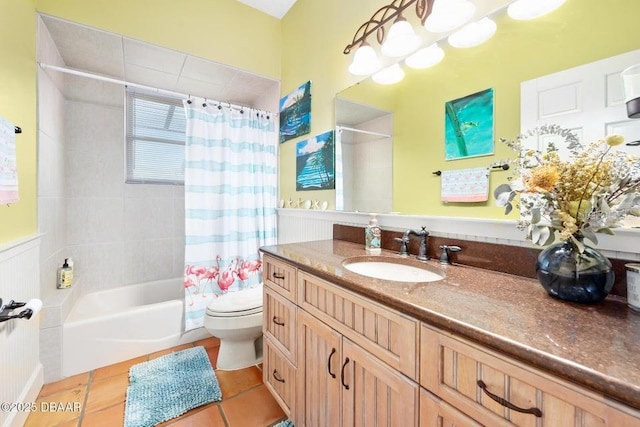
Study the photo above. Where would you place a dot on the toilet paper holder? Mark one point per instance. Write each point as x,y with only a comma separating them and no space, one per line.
31,308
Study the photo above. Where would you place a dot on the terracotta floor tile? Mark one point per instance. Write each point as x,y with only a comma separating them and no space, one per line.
107,392
169,350
234,382
117,368
253,408
109,417
64,384
207,342
209,416
58,408
212,352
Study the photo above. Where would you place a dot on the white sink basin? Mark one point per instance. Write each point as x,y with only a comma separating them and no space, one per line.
391,269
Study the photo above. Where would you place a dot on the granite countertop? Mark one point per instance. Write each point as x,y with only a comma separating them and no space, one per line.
596,346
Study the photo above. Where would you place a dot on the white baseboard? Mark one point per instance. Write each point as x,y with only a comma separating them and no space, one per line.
29,394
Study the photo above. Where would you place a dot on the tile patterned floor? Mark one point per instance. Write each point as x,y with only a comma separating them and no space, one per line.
96,398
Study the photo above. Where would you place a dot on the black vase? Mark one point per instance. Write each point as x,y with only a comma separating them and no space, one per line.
570,275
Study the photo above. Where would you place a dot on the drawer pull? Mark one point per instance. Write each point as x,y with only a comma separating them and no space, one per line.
276,377
333,351
275,320
346,362
535,411
278,276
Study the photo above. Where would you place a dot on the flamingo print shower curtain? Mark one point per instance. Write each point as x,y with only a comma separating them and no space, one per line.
230,200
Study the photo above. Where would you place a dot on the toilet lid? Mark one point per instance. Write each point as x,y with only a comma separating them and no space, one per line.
238,303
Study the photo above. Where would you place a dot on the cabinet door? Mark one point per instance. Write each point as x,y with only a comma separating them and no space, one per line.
318,385
373,394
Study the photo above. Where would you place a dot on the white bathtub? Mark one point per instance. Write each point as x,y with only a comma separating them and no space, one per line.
114,325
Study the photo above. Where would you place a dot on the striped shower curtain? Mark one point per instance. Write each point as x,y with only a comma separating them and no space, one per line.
230,200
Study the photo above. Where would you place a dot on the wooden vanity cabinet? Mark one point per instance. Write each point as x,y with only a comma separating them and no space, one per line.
351,352
335,358
495,390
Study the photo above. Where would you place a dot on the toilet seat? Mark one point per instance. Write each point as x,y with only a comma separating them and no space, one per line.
237,304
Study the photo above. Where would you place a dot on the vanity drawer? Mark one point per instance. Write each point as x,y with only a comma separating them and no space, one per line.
389,335
279,376
279,322
464,374
280,276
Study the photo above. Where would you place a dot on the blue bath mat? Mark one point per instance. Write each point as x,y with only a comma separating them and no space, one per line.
285,423
169,386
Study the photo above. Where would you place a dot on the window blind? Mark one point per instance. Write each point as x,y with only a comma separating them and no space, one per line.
155,138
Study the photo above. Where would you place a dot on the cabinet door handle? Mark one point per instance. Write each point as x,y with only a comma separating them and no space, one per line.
275,376
535,411
346,362
275,320
333,351
278,276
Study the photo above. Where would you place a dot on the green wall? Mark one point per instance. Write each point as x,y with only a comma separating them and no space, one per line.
307,45
579,32
18,105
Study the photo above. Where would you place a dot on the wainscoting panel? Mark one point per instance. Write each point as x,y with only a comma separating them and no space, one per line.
21,370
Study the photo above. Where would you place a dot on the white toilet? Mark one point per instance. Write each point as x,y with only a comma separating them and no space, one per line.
236,318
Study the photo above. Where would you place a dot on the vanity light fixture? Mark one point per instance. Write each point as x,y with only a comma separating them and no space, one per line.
473,34
390,75
448,15
401,41
365,61
425,57
530,9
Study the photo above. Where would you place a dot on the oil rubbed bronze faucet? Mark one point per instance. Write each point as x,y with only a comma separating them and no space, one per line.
423,235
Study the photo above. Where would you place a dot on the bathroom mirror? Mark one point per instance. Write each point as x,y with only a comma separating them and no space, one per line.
417,103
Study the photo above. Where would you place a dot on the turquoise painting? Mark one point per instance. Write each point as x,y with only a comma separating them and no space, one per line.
315,164
469,126
295,113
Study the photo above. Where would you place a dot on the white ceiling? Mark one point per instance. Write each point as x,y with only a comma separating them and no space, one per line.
277,8
104,53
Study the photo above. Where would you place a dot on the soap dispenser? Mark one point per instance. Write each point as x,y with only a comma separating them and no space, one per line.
372,236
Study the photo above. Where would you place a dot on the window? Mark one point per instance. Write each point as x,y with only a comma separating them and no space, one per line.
155,132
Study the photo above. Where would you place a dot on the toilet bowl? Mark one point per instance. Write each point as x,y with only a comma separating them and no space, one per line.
236,319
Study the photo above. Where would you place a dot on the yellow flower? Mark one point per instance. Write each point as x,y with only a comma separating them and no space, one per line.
614,139
542,178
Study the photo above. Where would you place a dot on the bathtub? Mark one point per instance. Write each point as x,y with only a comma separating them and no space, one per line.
114,325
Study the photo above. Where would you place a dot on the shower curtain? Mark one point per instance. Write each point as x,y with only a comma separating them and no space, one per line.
230,200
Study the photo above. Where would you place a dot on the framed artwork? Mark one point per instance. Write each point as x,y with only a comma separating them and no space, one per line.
315,163
468,126
295,113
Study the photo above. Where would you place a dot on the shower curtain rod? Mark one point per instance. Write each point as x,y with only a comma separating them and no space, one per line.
341,128
104,78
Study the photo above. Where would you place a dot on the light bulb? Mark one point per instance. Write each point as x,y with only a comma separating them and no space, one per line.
401,40
473,34
390,75
425,57
448,15
531,9
365,61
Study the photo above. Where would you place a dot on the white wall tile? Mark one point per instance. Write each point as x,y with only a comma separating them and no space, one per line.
94,220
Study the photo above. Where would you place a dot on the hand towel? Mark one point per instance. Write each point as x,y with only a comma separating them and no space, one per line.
465,185
8,166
